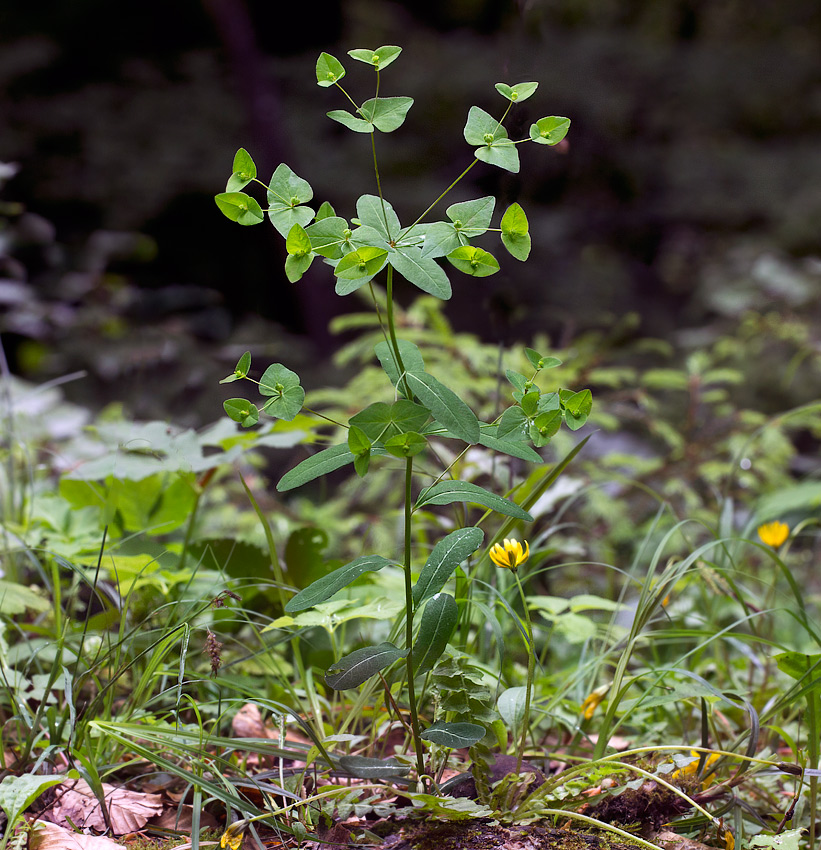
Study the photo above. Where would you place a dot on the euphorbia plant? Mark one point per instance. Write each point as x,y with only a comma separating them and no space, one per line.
419,408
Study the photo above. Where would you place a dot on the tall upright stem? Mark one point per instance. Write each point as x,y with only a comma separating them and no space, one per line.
417,740
531,666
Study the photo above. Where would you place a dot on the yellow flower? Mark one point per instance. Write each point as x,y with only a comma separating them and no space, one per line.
692,767
509,555
592,700
232,837
773,533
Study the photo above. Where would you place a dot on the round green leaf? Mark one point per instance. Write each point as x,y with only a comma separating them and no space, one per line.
286,393
241,411
244,171
549,131
473,261
545,426
240,207
405,445
511,706
329,70
379,58
297,264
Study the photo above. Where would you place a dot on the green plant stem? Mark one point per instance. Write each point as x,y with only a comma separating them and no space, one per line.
417,740
406,232
531,666
392,331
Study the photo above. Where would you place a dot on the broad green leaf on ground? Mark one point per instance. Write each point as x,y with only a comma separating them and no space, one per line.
511,706
454,735
447,492
242,411
435,630
356,668
412,360
386,113
363,767
240,207
473,261
446,556
286,193
17,599
788,840
517,93
550,130
515,236
17,793
373,211
319,464
446,407
329,70
423,272
244,171
452,809
379,58
324,588
283,387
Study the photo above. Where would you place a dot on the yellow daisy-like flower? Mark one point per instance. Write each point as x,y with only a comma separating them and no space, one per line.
773,533
692,768
232,837
509,555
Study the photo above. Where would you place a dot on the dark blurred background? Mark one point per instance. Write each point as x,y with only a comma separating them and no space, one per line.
689,190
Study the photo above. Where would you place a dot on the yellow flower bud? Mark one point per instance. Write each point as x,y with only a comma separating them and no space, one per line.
774,533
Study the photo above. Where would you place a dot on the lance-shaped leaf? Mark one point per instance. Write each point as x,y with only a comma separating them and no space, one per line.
445,405
324,588
240,370
550,130
446,556
356,668
515,236
379,58
473,261
363,767
319,464
240,208
454,735
436,629
448,492
422,272
244,171
329,70
386,113
412,361
514,448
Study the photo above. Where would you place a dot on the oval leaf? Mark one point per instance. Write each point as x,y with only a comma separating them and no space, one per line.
511,706
356,668
436,629
454,735
327,586
321,463
446,556
445,405
447,492
368,768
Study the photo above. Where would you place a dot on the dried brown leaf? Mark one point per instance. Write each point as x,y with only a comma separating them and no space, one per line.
128,811
50,836
247,723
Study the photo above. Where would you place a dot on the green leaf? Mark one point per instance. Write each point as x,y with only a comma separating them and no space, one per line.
327,586
513,423
517,93
358,125
411,360
386,113
514,448
298,242
373,211
363,767
286,192
541,362
549,131
445,405
446,556
474,261
441,238
17,793
448,492
327,236
435,631
515,236
240,370
329,70
328,460
356,668
450,809
240,207
502,154
381,421
577,408
787,840
241,411
244,171
379,58
286,393
17,599
454,735
297,265
408,444
545,426
472,218
511,706
358,267
325,211
358,441
422,272
482,128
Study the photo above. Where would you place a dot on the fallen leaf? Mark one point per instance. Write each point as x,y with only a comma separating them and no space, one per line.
247,723
672,841
50,836
180,820
128,811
